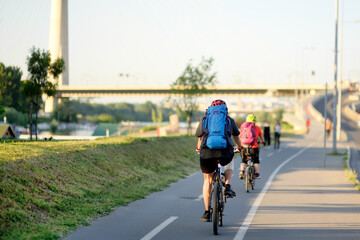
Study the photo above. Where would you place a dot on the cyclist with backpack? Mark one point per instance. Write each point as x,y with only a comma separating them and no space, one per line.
249,133
216,129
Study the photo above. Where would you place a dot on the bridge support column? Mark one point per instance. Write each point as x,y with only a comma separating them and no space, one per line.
51,103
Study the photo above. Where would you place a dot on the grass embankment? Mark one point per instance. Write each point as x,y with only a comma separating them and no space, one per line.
50,188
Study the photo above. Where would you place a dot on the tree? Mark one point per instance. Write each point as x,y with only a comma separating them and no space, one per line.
65,112
191,84
39,67
10,88
157,119
14,117
2,110
4,75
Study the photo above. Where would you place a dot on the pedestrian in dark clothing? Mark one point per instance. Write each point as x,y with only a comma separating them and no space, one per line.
267,133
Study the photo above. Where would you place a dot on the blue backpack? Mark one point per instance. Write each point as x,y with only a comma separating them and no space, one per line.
216,124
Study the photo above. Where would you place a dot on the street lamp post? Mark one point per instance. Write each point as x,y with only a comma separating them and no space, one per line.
335,76
338,125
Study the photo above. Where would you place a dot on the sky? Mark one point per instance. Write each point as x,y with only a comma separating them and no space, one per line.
257,42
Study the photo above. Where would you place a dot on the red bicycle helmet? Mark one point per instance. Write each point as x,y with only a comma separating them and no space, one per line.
218,102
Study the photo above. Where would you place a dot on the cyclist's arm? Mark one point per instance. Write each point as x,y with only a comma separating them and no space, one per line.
237,142
261,139
199,132
259,134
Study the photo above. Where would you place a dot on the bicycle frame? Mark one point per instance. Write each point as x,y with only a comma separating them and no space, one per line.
249,172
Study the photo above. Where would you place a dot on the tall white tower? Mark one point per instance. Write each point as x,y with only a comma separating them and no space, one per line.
58,43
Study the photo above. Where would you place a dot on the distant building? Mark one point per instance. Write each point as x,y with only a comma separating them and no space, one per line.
7,132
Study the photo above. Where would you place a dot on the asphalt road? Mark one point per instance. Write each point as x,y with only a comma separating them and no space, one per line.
296,198
348,125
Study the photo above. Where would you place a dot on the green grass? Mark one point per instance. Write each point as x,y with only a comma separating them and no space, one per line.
351,174
49,188
337,154
148,128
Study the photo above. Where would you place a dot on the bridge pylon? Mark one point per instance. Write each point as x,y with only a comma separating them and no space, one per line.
58,44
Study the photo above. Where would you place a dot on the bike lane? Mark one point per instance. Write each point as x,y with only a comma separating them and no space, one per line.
174,213
309,198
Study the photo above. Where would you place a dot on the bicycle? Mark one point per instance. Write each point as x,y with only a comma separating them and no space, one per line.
249,172
218,199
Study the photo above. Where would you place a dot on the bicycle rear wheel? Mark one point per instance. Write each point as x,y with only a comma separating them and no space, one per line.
252,178
247,179
215,213
221,205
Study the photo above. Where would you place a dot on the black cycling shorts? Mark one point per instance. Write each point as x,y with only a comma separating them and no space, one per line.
208,165
254,152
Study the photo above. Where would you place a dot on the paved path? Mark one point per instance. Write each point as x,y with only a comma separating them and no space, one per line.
309,201
296,198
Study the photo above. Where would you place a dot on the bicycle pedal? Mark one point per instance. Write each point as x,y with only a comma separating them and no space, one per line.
230,195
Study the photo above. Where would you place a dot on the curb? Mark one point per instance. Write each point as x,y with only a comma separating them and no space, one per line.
348,158
348,162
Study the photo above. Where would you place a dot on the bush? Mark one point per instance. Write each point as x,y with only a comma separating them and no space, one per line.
54,126
103,118
148,128
15,117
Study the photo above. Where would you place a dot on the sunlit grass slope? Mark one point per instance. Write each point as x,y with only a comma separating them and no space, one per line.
49,188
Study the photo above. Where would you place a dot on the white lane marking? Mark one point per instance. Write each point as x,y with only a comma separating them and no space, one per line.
199,198
156,230
270,154
244,227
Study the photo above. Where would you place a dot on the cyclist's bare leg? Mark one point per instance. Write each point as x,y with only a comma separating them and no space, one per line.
228,172
242,166
207,189
257,167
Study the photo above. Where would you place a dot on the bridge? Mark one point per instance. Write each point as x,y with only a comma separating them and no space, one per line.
273,91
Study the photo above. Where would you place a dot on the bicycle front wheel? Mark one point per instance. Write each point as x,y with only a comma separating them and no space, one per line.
215,213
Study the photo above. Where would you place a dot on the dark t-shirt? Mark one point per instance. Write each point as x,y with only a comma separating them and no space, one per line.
205,152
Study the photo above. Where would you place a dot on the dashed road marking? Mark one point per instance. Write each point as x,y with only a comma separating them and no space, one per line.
158,229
